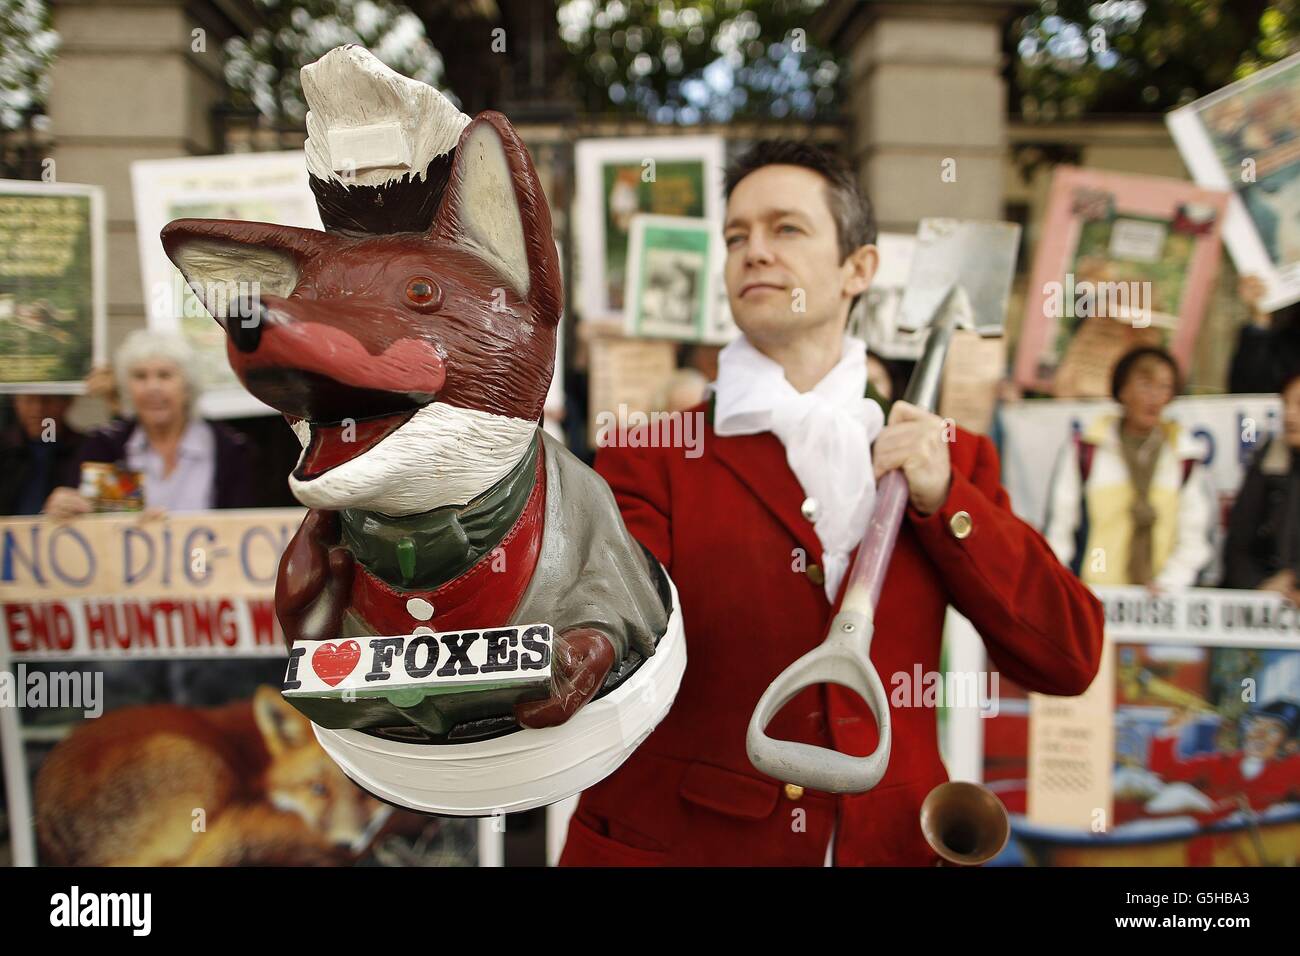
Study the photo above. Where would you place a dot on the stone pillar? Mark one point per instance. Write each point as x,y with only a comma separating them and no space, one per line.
133,80
925,93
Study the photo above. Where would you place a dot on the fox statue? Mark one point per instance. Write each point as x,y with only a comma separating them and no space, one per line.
411,346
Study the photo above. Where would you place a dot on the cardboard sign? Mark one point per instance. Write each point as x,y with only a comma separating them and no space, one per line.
233,553
435,679
1242,139
1139,253
264,187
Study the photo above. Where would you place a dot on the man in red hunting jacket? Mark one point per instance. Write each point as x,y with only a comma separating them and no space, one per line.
757,521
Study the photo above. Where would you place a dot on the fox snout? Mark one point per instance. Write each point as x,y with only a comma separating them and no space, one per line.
299,357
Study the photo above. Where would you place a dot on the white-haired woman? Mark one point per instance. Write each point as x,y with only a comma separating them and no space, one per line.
188,463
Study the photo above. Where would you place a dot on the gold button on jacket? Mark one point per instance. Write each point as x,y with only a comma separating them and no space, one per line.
815,574
960,525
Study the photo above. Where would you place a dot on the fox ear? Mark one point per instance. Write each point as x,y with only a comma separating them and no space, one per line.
217,256
283,728
494,205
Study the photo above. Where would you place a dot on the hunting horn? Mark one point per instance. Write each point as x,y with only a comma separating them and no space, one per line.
965,823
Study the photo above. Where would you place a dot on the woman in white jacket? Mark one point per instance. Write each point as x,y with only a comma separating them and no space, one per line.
1131,502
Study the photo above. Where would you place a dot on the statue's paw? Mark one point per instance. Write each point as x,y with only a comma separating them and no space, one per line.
314,584
582,660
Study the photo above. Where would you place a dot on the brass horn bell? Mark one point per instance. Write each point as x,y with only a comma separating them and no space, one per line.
965,823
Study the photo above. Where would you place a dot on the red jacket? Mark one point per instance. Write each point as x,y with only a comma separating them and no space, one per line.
728,527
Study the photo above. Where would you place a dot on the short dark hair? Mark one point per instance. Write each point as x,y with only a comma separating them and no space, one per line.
1124,368
855,221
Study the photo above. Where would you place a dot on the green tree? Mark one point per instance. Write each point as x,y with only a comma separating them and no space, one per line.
717,60
1131,56
27,48
262,70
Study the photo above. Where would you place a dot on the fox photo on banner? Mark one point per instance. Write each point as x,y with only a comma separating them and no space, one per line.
1246,138
263,187
140,708
52,298
619,178
1123,261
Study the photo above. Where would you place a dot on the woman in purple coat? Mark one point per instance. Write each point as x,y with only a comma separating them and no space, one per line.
188,463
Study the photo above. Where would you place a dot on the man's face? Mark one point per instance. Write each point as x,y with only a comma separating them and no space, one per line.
784,271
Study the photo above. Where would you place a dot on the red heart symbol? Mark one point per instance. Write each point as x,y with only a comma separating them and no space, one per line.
333,662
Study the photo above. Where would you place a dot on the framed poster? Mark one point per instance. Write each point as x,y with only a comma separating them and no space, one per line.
259,187
53,320
619,178
675,288
1245,138
1123,261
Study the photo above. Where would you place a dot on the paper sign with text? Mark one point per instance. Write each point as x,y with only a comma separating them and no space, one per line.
424,660
203,553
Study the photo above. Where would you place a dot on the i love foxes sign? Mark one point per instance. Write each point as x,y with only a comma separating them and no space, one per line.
436,679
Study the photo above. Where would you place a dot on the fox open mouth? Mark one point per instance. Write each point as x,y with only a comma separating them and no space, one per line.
334,443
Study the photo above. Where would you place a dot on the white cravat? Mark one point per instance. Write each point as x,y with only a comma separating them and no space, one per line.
827,433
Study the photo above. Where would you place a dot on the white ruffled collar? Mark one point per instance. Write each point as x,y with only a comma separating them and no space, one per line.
827,434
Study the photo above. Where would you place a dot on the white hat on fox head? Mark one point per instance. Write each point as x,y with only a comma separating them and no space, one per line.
379,145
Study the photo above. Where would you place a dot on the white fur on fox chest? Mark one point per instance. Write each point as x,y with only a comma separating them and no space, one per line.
443,456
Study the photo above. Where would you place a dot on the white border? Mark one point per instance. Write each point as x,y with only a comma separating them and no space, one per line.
157,183
98,280
635,325
1239,232
590,158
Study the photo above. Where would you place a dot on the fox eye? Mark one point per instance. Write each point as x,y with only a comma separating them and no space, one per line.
423,293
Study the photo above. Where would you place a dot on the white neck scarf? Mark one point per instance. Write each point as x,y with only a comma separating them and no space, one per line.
827,434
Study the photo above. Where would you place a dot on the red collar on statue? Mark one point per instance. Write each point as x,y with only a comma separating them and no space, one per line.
486,595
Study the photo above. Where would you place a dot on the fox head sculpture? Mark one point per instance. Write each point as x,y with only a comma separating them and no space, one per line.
413,365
